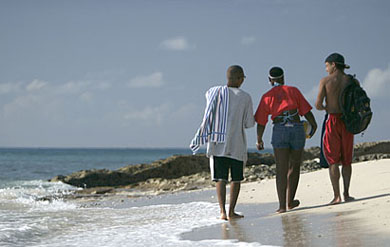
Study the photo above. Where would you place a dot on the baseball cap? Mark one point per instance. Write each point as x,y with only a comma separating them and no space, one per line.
337,58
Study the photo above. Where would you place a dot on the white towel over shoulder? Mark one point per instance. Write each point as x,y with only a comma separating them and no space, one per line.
214,124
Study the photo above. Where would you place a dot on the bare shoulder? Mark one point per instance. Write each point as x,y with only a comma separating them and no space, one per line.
326,78
324,81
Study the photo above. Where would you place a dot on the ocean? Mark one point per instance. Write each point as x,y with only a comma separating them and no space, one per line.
25,220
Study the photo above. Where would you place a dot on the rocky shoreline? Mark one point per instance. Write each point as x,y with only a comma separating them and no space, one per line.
191,172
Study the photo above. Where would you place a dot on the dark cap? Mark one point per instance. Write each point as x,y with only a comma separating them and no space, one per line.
336,58
275,73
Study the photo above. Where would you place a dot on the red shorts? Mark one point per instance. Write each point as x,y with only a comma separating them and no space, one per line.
337,141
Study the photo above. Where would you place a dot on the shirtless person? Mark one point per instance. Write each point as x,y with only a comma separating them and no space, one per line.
337,141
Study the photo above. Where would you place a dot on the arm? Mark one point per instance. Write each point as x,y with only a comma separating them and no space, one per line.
321,95
249,118
260,132
310,118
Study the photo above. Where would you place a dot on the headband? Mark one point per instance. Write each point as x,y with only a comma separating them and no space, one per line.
275,77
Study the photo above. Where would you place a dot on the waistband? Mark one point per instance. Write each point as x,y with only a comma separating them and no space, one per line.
290,116
288,124
338,115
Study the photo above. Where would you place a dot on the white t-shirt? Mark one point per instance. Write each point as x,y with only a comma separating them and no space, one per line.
240,117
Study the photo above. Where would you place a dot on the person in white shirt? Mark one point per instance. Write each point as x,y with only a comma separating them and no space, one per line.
227,149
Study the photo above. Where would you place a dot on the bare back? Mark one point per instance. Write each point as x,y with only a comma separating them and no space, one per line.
330,89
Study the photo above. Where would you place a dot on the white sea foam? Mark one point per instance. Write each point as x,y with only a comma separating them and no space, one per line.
158,225
30,195
22,210
27,221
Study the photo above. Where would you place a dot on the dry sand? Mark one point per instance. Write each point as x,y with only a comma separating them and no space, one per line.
363,222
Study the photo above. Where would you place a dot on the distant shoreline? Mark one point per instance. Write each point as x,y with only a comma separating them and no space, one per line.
191,172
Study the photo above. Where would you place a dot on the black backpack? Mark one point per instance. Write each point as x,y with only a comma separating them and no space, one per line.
355,106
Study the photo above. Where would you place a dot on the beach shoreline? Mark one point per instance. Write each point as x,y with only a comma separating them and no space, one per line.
363,222
191,172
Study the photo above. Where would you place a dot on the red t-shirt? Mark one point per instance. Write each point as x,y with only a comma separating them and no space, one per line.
280,99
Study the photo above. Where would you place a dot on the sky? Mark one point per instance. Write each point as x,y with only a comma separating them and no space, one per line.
96,73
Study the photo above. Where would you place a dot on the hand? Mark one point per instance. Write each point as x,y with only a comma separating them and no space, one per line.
260,145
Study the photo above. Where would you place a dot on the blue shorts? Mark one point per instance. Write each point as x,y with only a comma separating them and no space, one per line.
290,135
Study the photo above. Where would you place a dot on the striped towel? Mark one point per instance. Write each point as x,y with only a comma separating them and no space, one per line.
213,126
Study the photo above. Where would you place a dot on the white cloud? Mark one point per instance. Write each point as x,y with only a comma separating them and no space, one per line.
86,97
104,86
248,40
377,83
36,85
153,80
148,114
21,105
176,44
74,86
185,110
9,87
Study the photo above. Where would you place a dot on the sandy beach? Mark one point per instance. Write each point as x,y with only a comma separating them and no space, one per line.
363,222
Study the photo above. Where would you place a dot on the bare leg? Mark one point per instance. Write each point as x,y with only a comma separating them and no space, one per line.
347,172
282,156
293,177
334,174
234,192
221,193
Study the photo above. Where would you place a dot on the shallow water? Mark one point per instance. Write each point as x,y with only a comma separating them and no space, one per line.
27,218
296,228
26,221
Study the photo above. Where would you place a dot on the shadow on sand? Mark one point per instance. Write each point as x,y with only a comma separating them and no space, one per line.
294,228
327,205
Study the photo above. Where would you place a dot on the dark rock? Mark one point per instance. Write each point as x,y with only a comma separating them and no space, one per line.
258,158
369,157
311,153
382,147
185,172
57,178
170,168
96,190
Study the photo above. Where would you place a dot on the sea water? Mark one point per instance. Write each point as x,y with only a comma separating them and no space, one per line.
27,220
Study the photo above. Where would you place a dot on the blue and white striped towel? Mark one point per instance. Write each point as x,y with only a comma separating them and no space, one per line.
213,126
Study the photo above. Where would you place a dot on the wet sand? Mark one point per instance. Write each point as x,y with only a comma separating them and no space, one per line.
363,222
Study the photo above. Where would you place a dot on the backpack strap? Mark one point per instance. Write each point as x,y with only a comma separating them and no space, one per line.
352,80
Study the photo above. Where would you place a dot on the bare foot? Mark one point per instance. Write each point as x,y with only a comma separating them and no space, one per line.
349,198
335,201
223,216
281,210
235,216
293,204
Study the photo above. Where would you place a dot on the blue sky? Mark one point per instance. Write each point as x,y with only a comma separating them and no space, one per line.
134,73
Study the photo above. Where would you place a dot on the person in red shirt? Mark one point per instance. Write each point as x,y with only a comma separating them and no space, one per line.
284,104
